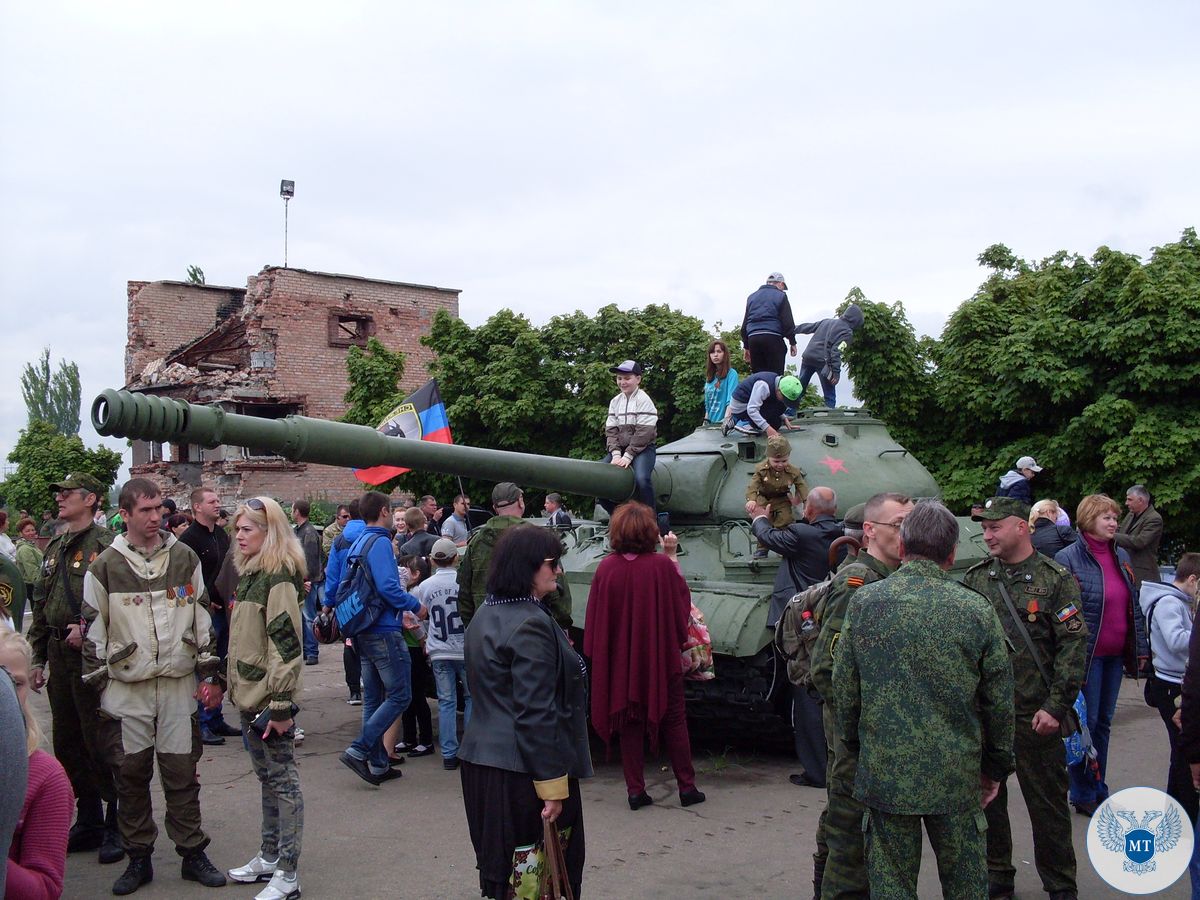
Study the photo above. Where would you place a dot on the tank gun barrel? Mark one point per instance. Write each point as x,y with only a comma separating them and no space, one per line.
303,439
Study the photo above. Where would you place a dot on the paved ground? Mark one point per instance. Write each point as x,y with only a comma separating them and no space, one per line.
408,838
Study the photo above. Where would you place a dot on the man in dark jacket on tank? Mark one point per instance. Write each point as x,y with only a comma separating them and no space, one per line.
767,324
823,355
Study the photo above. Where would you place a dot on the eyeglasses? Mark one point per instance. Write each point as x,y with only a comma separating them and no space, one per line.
886,524
553,561
255,504
69,491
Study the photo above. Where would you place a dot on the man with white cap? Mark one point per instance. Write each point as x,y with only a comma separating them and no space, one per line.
766,325
1015,482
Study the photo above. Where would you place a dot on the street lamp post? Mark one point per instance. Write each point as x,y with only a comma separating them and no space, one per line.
287,190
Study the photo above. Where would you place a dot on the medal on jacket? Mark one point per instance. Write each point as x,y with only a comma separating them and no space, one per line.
1032,609
78,559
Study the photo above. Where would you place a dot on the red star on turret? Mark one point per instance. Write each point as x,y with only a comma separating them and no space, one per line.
835,465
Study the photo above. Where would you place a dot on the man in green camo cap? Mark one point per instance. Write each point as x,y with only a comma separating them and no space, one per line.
56,635
1037,601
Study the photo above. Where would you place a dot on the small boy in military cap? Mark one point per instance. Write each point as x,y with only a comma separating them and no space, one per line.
772,485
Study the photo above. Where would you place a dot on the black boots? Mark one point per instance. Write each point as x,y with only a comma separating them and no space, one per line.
197,867
111,850
138,872
88,831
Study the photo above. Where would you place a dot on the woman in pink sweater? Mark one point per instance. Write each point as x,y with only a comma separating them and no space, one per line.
38,855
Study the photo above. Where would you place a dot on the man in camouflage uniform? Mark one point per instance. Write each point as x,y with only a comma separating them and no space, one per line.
56,635
924,692
508,501
1045,597
839,870
12,593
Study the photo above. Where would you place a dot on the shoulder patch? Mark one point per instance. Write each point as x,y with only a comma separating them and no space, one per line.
1066,612
855,581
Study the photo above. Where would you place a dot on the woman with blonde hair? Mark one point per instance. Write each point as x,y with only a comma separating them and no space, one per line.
38,855
1116,640
263,676
1047,535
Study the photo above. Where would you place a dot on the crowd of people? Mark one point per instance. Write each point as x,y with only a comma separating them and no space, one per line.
146,634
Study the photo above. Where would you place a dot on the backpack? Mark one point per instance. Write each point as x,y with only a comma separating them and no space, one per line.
358,600
797,629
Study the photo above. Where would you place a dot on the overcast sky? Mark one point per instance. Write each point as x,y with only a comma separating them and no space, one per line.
556,156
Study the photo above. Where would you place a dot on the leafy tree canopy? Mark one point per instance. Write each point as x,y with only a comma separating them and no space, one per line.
52,396
44,456
1089,365
195,275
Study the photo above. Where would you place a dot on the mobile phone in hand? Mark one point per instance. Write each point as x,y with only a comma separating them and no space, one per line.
263,719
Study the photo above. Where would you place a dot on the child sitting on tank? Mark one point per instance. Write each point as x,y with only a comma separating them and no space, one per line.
630,430
772,483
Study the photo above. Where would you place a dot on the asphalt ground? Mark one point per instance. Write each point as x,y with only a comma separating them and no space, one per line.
408,838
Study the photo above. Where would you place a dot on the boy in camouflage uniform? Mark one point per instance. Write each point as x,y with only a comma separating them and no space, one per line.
772,483
1045,597
929,710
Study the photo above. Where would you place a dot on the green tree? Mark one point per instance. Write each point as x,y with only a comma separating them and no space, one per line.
195,275
510,385
43,456
52,396
1086,364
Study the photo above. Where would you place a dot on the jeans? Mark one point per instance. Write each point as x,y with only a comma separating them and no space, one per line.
210,717
386,693
448,674
827,388
643,484
312,606
1100,693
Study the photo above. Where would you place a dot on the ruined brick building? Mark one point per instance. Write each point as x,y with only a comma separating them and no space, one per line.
276,347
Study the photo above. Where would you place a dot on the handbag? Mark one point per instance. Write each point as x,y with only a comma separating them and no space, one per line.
1070,724
696,653
540,869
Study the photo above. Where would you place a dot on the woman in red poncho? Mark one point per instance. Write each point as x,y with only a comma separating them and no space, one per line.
637,618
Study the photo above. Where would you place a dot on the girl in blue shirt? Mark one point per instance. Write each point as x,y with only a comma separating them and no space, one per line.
720,380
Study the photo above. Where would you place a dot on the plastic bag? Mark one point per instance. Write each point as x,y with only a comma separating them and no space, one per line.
696,655
1079,745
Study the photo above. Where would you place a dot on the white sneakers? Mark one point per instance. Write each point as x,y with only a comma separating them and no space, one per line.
283,886
258,869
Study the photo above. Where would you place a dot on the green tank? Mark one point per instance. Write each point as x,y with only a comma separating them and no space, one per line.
700,480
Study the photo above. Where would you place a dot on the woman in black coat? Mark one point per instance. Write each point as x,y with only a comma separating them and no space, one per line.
526,746
1049,537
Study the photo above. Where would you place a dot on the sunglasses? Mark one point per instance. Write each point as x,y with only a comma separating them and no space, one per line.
255,504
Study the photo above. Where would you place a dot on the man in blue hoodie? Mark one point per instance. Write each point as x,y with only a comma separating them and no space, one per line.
387,686
823,355
350,526
1168,610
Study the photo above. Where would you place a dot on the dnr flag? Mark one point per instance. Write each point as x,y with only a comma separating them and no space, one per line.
421,417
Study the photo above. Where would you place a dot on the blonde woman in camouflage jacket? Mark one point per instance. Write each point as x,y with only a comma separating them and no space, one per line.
263,675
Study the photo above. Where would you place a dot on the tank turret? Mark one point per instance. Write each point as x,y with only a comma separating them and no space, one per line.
700,480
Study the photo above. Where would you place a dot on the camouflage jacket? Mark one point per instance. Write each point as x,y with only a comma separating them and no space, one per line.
58,592
473,567
865,569
1046,597
923,689
767,484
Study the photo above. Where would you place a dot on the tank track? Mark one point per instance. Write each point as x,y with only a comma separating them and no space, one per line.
747,706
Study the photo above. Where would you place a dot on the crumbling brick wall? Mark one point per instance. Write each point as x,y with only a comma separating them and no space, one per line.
165,315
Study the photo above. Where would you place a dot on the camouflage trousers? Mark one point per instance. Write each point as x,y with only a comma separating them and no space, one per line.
839,858
74,710
1042,775
893,848
274,763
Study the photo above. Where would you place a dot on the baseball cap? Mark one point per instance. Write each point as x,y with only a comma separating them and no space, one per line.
77,480
443,550
776,276
506,492
629,367
1001,508
855,516
790,387
1028,462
